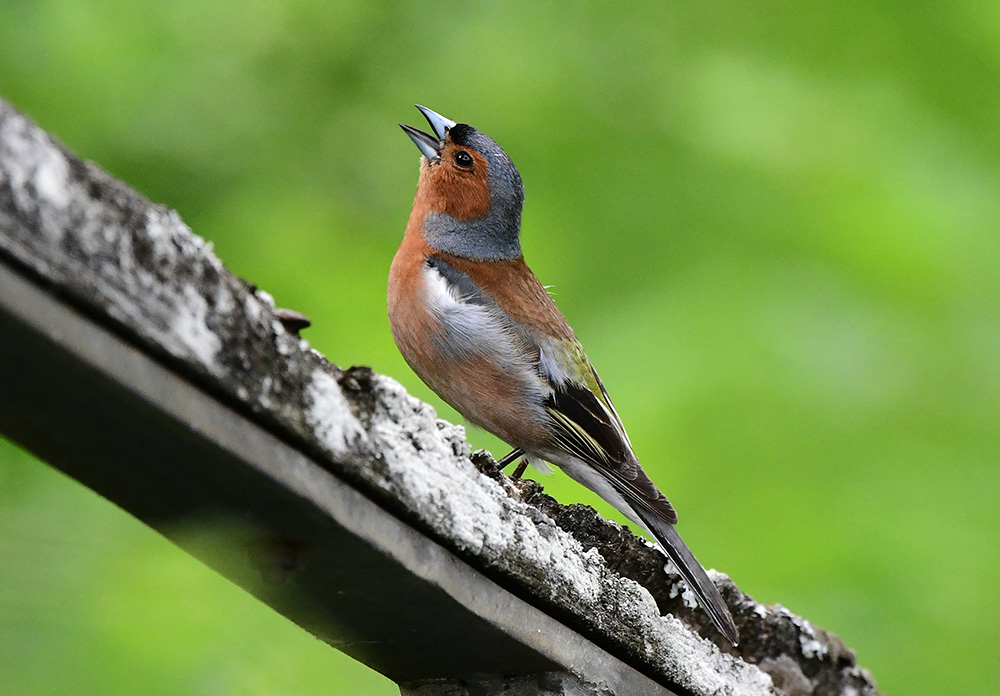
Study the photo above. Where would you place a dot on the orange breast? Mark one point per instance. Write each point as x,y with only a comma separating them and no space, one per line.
412,324
517,291
506,404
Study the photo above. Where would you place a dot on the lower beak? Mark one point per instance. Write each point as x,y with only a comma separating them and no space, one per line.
428,145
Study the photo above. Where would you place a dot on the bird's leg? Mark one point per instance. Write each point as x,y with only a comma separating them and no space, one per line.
519,471
509,459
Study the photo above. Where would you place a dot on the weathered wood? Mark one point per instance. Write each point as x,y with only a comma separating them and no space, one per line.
133,360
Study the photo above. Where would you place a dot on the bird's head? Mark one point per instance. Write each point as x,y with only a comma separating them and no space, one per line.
469,191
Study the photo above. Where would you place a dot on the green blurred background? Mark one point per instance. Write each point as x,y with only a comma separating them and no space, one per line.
775,227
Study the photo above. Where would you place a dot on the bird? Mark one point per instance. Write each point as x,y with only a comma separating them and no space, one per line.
475,324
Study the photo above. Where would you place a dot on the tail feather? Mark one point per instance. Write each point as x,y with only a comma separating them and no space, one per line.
691,571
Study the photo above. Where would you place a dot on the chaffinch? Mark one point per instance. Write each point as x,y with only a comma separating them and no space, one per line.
479,329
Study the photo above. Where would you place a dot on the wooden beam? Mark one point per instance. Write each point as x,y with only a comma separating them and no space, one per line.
131,359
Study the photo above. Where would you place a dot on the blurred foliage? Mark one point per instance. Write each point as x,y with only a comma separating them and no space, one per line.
775,228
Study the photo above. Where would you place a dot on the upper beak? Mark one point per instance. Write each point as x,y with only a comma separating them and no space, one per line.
429,145
439,123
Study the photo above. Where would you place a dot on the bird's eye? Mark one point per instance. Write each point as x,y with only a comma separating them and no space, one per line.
463,159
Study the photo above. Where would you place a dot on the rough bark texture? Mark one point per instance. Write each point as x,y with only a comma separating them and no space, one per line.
136,268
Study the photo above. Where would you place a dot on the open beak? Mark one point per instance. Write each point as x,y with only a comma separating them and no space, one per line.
429,145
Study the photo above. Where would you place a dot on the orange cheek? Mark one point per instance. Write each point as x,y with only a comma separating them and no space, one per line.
444,188
467,202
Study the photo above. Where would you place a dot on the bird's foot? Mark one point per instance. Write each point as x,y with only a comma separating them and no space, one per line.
490,467
485,462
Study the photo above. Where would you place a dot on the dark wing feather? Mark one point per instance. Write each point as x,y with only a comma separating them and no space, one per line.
692,572
587,427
